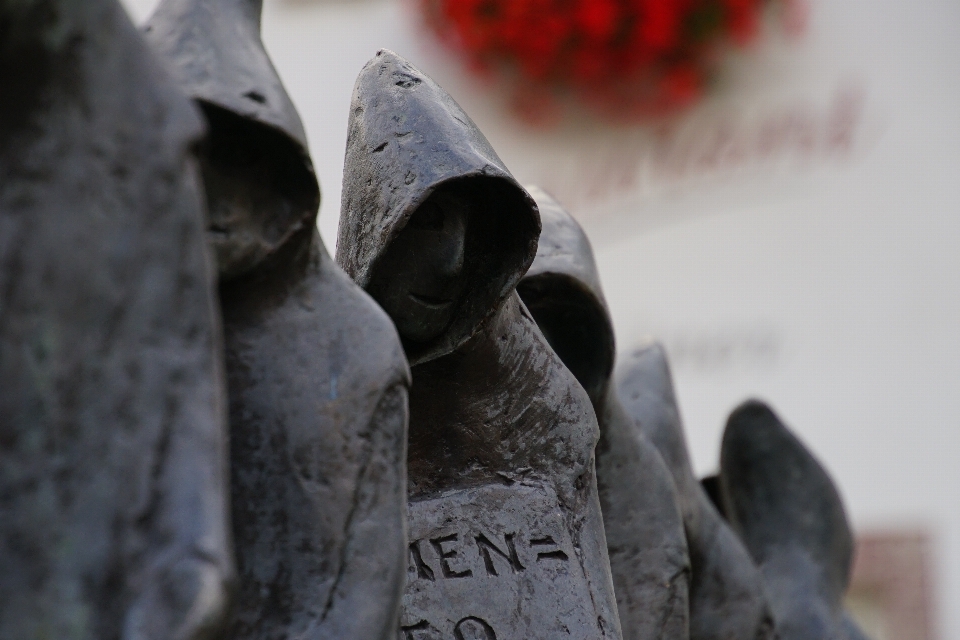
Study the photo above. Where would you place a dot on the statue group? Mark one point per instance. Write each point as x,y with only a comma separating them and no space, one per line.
212,428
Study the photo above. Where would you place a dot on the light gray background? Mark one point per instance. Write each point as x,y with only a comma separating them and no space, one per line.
825,281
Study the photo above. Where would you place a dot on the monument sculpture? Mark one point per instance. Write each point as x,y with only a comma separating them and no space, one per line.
317,377
727,598
113,496
506,537
121,381
641,512
787,511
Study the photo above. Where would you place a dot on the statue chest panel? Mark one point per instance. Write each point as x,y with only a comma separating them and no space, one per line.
495,563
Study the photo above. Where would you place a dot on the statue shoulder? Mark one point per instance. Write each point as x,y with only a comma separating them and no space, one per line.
366,328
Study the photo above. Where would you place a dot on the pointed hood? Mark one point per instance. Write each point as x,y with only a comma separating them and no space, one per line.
214,50
407,138
727,597
646,386
562,291
787,510
256,139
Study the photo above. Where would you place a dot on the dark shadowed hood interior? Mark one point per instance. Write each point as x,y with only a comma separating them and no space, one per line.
214,51
407,137
562,291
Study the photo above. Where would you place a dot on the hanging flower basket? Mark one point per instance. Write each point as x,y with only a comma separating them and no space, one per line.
627,58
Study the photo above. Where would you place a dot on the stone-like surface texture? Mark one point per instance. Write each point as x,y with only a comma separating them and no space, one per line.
641,509
261,186
785,507
113,501
407,138
507,539
727,597
502,412
318,415
317,376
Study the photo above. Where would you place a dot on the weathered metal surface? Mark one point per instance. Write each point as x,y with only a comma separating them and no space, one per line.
641,510
785,507
727,598
492,549
317,377
501,434
113,496
261,187
318,409
409,142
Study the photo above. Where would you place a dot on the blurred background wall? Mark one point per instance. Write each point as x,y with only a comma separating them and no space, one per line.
794,237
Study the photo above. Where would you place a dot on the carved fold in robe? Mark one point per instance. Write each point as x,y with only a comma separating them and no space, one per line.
641,511
727,597
787,511
317,377
506,534
113,480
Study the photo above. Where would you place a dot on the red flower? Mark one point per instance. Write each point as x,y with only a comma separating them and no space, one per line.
598,18
635,57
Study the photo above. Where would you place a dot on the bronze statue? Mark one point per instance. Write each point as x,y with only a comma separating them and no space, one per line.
317,377
785,507
727,598
113,493
641,512
505,527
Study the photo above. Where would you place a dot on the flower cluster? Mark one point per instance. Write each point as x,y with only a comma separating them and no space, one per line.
628,57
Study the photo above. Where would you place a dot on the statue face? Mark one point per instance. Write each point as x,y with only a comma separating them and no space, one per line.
421,277
258,191
235,231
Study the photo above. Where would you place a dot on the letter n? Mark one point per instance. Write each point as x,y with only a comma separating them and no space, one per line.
510,555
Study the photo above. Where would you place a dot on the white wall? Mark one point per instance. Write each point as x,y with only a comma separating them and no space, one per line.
822,275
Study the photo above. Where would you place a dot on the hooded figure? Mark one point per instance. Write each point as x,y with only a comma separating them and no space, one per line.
727,598
317,377
788,513
641,510
506,535
113,492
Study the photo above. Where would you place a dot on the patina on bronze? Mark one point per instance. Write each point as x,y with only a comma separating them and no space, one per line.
641,510
727,598
785,507
113,493
317,377
506,535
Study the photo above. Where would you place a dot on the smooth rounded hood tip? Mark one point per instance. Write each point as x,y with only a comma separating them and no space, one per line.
781,498
754,414
646,371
